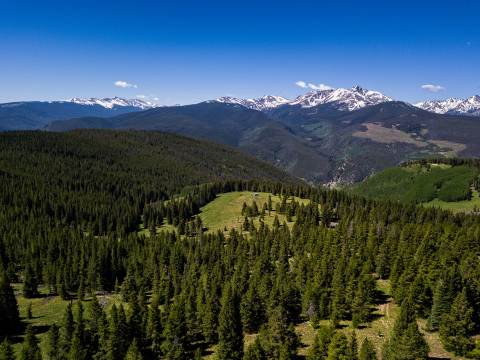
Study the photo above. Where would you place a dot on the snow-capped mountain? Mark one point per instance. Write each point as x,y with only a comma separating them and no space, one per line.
453,106
109,103
343,99
263,103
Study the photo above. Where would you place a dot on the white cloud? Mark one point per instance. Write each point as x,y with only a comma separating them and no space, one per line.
156,99
142,96
301,84
433,88
320,87
124,84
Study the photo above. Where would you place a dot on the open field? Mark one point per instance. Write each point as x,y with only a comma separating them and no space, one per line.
226,210
459,206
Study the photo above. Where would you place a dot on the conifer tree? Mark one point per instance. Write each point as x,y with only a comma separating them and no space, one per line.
114,344
175,331
79,324
230,331
278,339
53,342
29,283
352,348
324,335
133,352
254,351
406,342
93,319
457,326
61,289
66,331
77,350
9,315
443,297
314,351
6,351
367,351
154,328
337,350
30,349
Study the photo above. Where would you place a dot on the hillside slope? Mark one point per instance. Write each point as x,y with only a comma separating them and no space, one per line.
424,182
319,143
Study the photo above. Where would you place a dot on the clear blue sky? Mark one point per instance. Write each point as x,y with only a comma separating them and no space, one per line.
190,51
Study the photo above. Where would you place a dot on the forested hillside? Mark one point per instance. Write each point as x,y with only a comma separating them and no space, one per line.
68,227
441,179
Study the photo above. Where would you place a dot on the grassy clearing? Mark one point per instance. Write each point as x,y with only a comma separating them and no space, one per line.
226,210
459,206
48,310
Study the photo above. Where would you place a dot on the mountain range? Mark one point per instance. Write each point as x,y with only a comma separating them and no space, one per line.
333,135
343,135
343,99
453,106
32,115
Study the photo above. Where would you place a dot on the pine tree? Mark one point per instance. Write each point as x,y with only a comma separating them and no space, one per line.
6,351
254,351
337,350
66,331
175,331
114,344
406,342
322,341
30,349
443,297
53,342
154,328
277,338
367,351
457,326
352,349
29,283
93,319
314,351
9,315
133,352
61,288
77,351
230,331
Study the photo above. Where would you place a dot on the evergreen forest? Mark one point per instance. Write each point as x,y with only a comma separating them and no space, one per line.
72,207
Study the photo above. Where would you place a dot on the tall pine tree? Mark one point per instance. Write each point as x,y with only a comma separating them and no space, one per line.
457,326
230,330
9,315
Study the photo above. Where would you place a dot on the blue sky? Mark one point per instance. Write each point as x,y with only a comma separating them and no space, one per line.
190,51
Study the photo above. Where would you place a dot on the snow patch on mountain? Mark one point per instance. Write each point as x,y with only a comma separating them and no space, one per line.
453,106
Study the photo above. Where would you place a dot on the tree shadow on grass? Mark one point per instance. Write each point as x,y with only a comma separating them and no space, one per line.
16,334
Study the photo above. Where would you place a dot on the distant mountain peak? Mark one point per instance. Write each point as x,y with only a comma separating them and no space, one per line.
109,103
453,106
343,99
260,104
